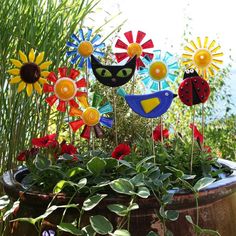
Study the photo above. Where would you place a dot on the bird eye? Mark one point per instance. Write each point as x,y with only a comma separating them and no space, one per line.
191,70
124,72
187,71
103,72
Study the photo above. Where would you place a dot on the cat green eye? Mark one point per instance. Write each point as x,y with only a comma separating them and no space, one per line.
103,72
124,72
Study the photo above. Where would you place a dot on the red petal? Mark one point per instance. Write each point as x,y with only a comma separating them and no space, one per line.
81,83
52,77
62,106
80,94
121,44
139,63
47,88
129,36
150,55
196,133
74,73
86,132
98,131
75,125
148,44
73,103
120,56
140,36
62,71
51,100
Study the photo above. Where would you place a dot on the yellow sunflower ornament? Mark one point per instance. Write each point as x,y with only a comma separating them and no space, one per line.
203,56
29,72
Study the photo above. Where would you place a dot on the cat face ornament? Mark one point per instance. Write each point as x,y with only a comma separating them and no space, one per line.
113,76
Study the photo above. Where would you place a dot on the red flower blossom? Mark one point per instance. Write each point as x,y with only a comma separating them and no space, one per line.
46,141
68,148
27,153
120,151
197,135
156,134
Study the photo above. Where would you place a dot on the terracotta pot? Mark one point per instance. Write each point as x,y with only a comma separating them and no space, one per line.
217,208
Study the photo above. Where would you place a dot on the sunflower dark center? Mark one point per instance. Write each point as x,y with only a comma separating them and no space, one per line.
30,73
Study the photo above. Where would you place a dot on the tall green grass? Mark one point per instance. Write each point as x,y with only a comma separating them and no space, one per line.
44,25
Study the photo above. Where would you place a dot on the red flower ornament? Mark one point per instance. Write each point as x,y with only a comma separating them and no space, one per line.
121,151
156,134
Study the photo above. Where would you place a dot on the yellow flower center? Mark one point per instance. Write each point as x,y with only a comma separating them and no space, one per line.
134,49
202,58
91,116
158,70
85,49
65,89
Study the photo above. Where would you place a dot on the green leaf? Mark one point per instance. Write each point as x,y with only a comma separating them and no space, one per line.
111,163
89,231
96,165
59,186
177,172
119,209
151,233
93,201
101,224
63,183
4,201
189,219
16,204
42,163
69,228
75,171
133,206
202,183
121,232
143,192
138,180
172,215
122,186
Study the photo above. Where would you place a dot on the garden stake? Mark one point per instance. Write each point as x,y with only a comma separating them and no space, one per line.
192,148
161,121
115,115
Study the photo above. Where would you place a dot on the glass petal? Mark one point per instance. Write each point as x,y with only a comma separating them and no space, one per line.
172,77
51,100
157,54
173,66
154,86
148,44
140,36
74,73
121,44
70,53
70,44
212,44
199,42
139,63
75,125
95,38
75,59
167,57
164,84
61,106
100,54
99,46
129,36
97,99
106,108
147,81
81,35
89,34
143,70
81,63
42,80
47,88
73,103
81,83
120,56
52,77
75,38
62,71
106,121
98,131
84,101
121,92
89,65
86,132
39,58
74,111
205,42
148,55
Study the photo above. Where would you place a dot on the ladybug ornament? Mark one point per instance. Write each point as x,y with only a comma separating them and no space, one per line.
194,89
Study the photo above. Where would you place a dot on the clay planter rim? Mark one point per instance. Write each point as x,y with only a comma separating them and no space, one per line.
181,199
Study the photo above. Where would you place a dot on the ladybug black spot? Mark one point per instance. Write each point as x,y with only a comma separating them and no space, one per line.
205,90
186,92
203,82
202,96
182,96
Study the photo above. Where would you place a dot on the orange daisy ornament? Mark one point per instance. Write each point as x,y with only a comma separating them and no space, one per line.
203,56
65,88
30,72
134,48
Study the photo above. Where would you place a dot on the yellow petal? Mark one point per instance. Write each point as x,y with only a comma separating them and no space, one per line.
29,89
21,86
212,44
185,55
14,71
84,102
15,80
16,63
220,54
199,42
23,57
31,55
45,73
42,80
188,49
39,58
193,44
38,88
45,65
205,42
